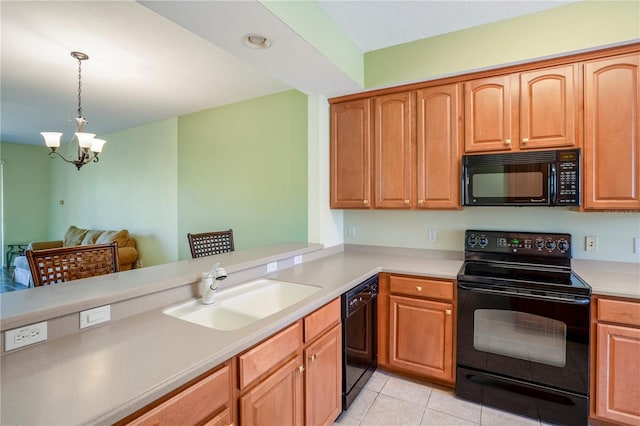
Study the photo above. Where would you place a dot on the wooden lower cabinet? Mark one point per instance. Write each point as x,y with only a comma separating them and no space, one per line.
416,327
289,379
278,398
206,400
616,364
420,334
323,378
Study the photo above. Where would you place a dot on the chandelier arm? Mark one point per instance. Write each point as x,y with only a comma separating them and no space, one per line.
86,158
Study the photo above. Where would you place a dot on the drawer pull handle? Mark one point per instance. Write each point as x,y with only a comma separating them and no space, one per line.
525,141
507,141
301,369
406,201
418,288
420,201
447,311
313,357
365,201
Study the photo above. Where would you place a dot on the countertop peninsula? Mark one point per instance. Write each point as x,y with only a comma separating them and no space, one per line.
102,374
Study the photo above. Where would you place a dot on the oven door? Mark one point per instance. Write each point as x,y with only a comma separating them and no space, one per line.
540,339
508,184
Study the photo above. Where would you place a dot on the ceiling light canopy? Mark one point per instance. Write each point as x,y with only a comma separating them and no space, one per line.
86,141
257,41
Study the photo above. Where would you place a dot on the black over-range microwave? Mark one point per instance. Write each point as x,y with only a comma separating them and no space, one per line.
537,178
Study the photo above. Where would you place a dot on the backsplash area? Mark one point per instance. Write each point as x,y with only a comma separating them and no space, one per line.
393,228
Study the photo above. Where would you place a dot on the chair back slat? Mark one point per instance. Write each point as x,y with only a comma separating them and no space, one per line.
208,243
63,264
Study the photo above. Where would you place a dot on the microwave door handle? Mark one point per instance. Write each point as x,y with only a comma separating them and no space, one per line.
553,194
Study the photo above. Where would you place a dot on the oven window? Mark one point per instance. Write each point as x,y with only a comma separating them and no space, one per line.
526,184
520,335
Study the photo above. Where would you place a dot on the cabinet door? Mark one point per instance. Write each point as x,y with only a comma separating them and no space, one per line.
612,140
393,142
421,337
350,157
323,386
549,106
618,377
439,138
489,112
278,398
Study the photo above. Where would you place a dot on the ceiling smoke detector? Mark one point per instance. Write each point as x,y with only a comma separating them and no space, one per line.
257,41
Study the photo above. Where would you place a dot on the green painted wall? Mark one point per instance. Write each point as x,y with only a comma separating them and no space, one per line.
134,186
26,177
573,27
244,166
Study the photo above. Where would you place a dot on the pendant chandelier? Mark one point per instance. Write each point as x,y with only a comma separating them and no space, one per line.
88,146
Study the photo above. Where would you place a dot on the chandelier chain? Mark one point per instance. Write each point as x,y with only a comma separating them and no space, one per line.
79,88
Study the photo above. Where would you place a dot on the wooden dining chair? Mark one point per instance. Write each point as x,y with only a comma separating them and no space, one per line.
208,243
56,265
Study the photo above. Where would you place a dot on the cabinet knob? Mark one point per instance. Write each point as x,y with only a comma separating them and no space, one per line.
420,201
365,201
525,141
418,288
507,141
406,201
313,357
447,311
301,369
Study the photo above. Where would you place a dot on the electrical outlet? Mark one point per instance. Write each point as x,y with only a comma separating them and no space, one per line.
95,316
636,244
272,267
352,232
433,235
297,259
591,243
24,336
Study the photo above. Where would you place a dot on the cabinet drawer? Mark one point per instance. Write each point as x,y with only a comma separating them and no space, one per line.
421,287
268,354
222,419
619,311
192,405
320,320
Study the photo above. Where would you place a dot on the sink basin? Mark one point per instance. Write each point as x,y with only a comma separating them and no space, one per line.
241,305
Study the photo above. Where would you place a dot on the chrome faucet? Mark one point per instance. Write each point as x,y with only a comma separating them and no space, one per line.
212,280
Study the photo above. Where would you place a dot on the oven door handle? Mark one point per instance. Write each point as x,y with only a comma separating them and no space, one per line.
574,300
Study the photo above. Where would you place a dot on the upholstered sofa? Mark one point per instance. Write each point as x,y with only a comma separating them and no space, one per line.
127,252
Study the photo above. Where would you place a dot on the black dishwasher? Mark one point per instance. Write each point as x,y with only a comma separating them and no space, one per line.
359,338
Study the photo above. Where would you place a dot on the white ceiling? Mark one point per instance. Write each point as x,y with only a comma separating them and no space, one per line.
153,60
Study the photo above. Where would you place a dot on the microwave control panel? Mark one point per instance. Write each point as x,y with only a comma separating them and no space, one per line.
568,177
523,243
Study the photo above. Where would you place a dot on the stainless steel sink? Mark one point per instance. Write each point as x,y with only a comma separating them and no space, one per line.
241,305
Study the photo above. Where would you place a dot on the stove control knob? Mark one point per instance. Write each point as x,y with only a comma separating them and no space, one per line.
483,241
472,240
563,245
551,245
539,243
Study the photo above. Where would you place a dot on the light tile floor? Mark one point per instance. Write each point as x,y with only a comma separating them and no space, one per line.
389,400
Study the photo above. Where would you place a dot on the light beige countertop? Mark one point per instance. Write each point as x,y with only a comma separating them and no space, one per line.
102,374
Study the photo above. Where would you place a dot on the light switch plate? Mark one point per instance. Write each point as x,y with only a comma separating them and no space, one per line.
297,259
95,316
272,267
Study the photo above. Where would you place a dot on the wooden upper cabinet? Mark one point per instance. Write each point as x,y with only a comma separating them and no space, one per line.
439,140
530,110
489,110
350,154
393,150
549,108
611,141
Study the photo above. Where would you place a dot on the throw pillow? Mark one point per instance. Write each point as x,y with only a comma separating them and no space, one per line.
91,237
121,237
73,236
